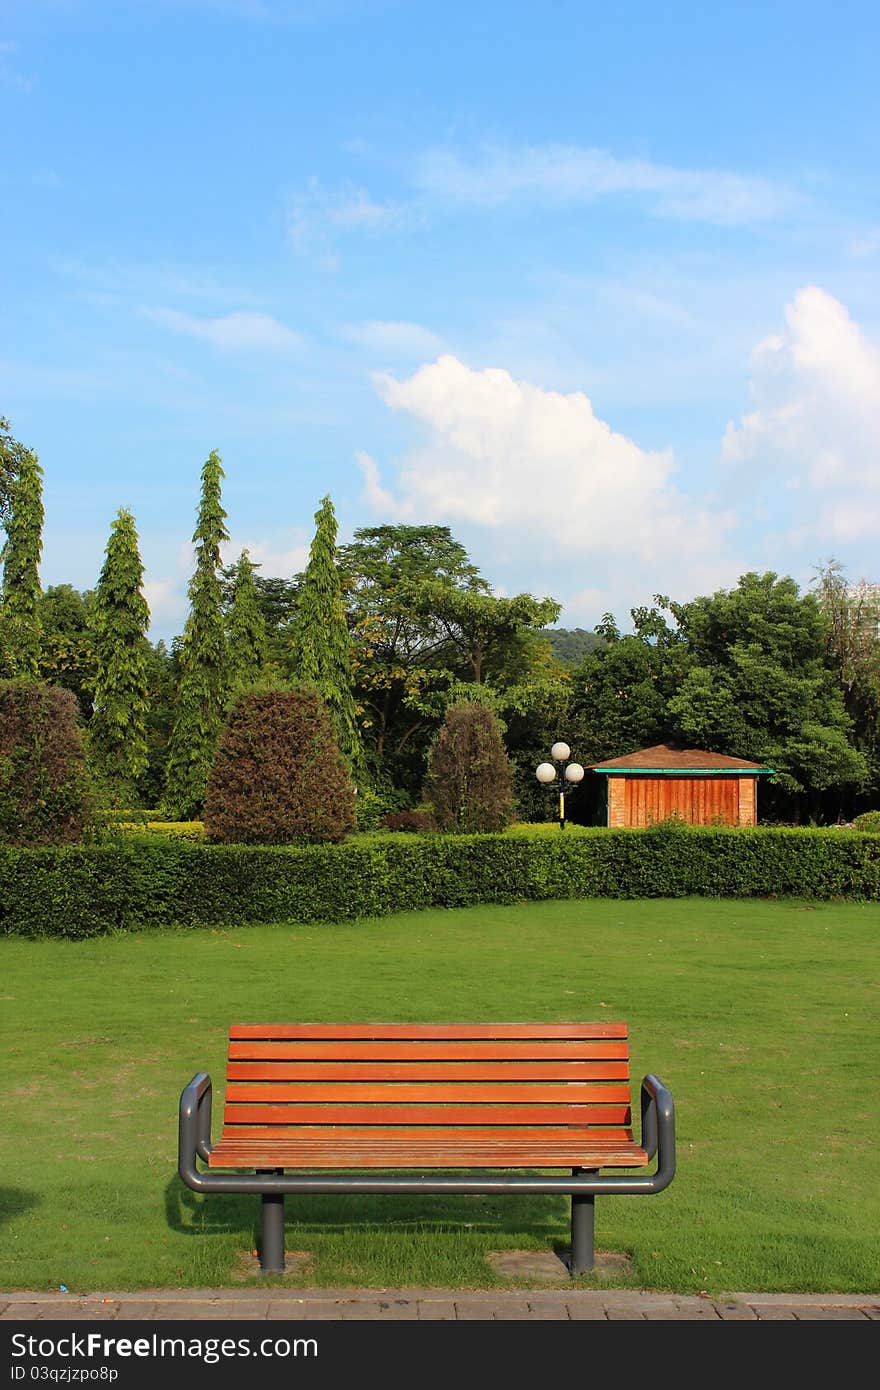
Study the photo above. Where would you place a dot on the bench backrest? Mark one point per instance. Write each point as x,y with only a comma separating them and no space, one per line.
507,1074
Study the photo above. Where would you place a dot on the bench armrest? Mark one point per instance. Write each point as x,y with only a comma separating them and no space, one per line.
194,1124
658,1128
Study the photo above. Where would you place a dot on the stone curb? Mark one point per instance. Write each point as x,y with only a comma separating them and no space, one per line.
408,1304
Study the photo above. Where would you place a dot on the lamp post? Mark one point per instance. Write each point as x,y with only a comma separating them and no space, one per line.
572,773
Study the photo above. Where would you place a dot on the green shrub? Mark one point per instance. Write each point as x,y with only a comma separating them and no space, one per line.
144,880
470,780
374,804
868,821
278,776
43,779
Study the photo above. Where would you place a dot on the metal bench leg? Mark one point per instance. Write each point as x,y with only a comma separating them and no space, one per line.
583,1213
272,1233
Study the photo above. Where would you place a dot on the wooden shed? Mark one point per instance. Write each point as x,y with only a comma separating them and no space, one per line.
702,788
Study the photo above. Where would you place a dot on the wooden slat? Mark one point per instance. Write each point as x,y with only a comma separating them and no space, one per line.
428,1095
350,1072
455,1148
461,1093
539,1050
427,1031
284,1135
424,1114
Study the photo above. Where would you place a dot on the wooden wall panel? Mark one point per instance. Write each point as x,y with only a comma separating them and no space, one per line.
698,800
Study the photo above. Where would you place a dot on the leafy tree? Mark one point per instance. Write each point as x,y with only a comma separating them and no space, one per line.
759,688
479,627
470,780
12,457
248,644
279,775
618,698
276,599
163,678
538,713
203,685
320,643
425,624
21,501
853,652
120,619
67,655
400,654
43,780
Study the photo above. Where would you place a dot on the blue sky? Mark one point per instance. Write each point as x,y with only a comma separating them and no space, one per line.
596,286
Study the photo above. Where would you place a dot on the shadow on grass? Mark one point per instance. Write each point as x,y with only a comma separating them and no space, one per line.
222,1213
15,1201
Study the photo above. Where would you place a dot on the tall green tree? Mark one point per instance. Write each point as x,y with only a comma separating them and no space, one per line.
759,687
320,641
119,619
67,656
276,599
400,654
248,643
425,625
853,651
470,779
21,513
480,627
204,680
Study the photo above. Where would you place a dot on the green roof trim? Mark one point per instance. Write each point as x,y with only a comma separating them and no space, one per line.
683,771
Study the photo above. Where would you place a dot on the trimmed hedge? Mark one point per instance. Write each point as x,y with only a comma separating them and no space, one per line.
148,881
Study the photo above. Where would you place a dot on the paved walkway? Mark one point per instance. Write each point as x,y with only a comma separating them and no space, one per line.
395,1305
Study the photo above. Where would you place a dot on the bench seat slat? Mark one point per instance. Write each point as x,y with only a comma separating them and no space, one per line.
428,1030
461,1093
425,1114
612,1134
442,1148
508,1072
303,1049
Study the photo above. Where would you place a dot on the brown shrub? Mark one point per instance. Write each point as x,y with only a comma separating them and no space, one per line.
278,776
414,821
470,779
43,778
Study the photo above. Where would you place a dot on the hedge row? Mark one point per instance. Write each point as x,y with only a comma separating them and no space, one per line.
145,881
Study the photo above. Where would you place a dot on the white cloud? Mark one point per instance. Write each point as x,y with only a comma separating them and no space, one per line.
378,498
866,245
237,332
317,216
539,471
816,423
567,174
398,339
9,73
167,601
282,557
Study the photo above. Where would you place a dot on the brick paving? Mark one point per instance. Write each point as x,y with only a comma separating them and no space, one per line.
397,1305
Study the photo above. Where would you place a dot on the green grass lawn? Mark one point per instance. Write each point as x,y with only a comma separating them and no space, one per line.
761,1017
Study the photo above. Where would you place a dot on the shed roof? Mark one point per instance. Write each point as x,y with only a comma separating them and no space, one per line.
672,757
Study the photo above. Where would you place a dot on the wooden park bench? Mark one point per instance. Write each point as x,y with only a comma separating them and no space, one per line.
439,1107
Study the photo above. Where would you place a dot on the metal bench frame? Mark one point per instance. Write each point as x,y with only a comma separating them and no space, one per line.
194,1141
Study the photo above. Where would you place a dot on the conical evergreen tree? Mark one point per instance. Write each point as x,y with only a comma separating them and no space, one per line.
248,643
321,646
469,782
119,621
203,685
20,627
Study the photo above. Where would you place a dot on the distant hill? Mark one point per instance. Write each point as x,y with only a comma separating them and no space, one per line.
571,644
